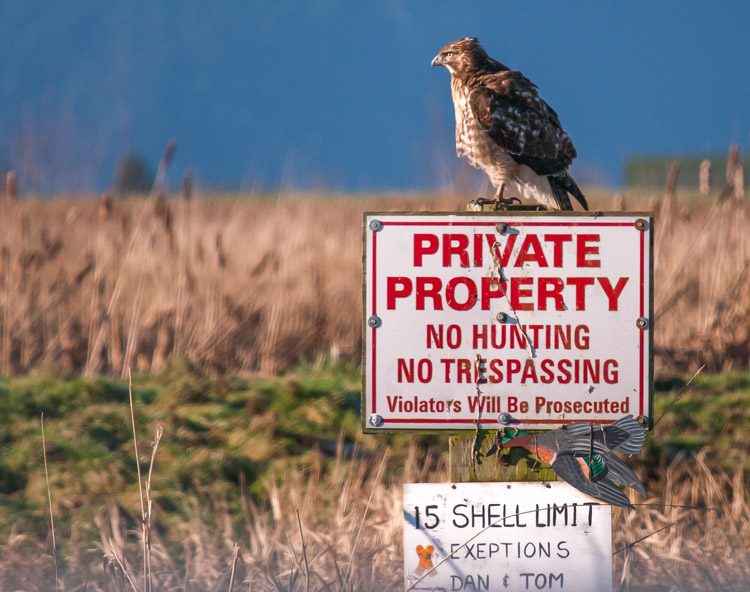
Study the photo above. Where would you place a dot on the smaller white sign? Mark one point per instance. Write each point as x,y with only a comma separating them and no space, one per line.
505,536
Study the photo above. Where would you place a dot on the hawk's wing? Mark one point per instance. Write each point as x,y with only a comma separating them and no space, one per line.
508,107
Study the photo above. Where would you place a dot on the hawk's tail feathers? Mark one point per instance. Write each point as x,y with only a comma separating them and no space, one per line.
562,185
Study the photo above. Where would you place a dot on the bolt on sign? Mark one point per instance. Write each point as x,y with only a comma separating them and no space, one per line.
513,318
505,536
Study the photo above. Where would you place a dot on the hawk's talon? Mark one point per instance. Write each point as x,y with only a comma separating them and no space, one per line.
500,203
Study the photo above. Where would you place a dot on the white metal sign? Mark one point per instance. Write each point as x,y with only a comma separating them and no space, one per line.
505,536
533,319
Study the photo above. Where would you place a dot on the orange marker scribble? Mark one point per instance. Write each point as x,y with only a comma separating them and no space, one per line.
425,559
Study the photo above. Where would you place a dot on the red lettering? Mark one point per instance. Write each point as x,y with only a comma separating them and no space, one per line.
479,369
548,376
453,335
424,370
531,251
551,288
450,293
491,288
529,372
557,240
610,373
424,244
496,367
396,287
404,371
447,362
495,248
463,373
613,293
580,284
455,244
478,253
591,371
433,291
480,337
564,367
434,336
514,405
518,291
583,249
514,367
581,336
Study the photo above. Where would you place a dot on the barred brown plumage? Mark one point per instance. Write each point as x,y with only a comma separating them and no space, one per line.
505,128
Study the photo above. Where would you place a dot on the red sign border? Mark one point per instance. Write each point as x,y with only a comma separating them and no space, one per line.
507,218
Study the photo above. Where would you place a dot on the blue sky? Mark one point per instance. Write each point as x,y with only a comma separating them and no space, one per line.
339,95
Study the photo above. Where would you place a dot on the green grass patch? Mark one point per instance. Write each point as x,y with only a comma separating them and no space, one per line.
221,433
714,410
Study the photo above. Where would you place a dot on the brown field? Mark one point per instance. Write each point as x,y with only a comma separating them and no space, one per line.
255,284
348,537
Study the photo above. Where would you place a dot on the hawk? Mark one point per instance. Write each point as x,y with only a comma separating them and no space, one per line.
505,128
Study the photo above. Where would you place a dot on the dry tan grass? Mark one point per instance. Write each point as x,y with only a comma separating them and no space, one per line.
351,528
250,284
255,284
702,297
693,549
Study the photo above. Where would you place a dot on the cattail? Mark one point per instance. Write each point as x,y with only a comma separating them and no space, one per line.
11,187
672,176
732,159
732,163
163,339
618,203
668,204
704,183
114,350
105,207
187,185
4,260
168,154
84,271
164,214
166,160
739,182
221,256
160,207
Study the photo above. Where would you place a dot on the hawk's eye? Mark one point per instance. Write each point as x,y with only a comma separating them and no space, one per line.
448,54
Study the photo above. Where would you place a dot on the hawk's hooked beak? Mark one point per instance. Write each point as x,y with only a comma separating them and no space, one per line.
437,61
